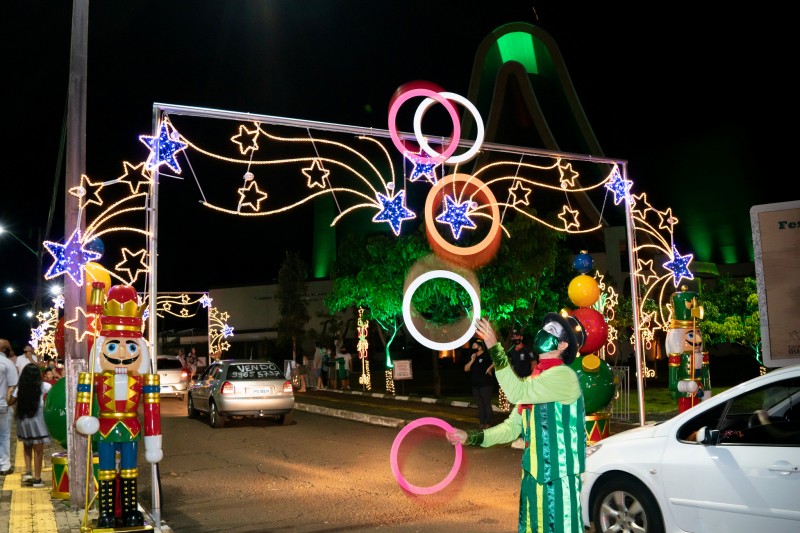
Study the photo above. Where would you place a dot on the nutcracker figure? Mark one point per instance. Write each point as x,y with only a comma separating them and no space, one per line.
689,378
120,380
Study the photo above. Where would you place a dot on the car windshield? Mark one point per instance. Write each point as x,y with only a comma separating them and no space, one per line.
169,364
241,371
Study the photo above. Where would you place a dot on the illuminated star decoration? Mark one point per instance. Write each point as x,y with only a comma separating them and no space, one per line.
227,330
136,177
70,258
423,168
316,174
246,139
79,324
58,301
394,211
205,301
567,175
163,149
519,193
679,266
569,217
133,264
88,192
251,195
619,187
456,215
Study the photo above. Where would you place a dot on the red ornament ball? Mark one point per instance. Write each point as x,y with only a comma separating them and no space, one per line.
595,326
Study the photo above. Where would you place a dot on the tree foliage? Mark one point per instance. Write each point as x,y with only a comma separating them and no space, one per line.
292,300
731,313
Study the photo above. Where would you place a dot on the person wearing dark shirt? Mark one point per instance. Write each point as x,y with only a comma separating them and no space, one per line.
521,356
481,368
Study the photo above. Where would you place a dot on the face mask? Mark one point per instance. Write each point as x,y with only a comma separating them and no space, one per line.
544,342
516,341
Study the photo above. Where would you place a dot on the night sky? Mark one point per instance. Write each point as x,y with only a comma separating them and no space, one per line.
694,98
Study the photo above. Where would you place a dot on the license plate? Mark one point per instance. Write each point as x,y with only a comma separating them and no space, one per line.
262,390
165,388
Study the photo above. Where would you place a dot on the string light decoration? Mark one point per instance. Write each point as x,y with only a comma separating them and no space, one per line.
43,336
362,328
356,167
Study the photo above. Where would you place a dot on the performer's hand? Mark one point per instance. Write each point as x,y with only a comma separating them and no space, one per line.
459,436
152,448
485,331
87,425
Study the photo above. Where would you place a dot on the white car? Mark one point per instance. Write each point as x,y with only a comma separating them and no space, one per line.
730,464
174,378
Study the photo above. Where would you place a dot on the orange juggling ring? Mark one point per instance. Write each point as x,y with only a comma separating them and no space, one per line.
460,186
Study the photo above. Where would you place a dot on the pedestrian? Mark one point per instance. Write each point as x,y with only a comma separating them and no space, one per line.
344,365
520,355
27,357
28,397
331,368
480,370
319,354
191,361
550,416
8,381
302,371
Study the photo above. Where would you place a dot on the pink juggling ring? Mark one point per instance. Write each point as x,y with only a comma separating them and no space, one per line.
427,421
425,93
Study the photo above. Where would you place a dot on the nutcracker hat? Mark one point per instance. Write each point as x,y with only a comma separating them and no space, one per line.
684,308
121,313
570,331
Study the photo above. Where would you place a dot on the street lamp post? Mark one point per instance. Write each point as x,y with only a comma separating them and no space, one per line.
38,254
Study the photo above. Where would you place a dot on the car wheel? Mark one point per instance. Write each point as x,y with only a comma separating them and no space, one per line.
626,505
215,420
190,410
286,418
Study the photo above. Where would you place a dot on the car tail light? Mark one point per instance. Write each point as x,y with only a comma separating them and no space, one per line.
184,374
287,386
228,388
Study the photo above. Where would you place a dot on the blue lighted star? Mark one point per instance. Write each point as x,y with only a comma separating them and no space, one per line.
423,168
162,149
205,301
394,211
679,266
227,330
619,187
456,215
70,258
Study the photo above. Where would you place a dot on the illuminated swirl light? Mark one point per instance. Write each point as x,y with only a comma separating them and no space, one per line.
466,156
419,274
402,481
463,185
451,148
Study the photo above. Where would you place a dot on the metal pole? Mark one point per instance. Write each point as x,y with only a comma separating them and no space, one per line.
152,300
630,228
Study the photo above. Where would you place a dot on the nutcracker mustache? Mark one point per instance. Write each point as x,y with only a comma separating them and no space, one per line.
124,362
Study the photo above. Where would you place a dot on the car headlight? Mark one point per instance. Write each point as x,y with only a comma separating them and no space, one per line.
592,449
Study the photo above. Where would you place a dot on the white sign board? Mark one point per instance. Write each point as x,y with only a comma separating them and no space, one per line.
776,244
402,369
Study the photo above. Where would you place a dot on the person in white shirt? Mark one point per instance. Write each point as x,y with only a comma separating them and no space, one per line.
8,381
28,397
27,357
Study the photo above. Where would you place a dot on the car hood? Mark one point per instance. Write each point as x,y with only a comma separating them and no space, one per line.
650,429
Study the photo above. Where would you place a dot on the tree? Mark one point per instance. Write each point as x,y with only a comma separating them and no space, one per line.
293,304
731,313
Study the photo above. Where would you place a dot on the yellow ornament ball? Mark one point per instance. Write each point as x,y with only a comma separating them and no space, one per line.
96,272
583,290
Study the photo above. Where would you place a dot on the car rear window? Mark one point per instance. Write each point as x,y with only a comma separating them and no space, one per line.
169,364
241,371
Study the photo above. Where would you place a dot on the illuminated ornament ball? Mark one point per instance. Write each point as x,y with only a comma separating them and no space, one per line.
595,327
583,262
597,382
583,290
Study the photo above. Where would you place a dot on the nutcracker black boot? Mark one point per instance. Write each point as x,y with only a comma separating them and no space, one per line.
131,516
106,498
